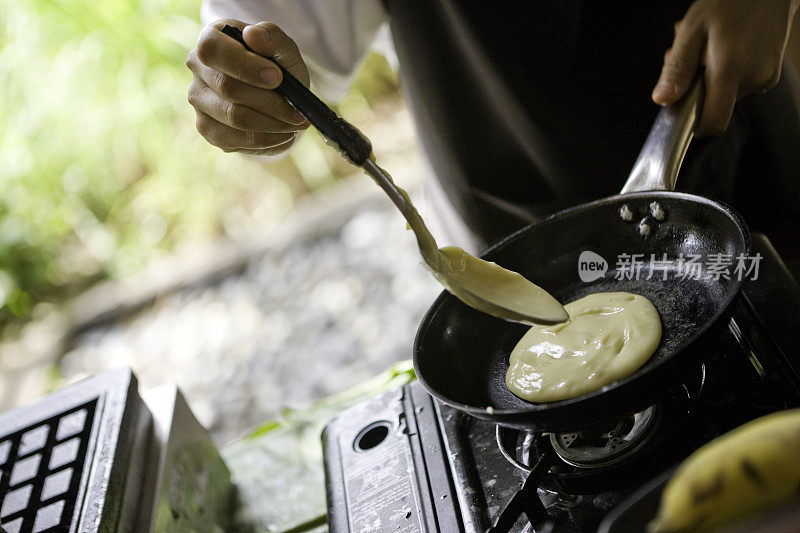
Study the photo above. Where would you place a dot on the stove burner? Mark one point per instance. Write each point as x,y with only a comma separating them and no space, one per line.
615,454
589,448
606,445
512,442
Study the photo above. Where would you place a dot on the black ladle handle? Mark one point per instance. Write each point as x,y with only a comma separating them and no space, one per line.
349,141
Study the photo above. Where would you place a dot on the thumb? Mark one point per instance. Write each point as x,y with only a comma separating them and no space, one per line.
268,40
680,65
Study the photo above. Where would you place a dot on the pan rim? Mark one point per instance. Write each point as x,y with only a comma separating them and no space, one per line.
534,408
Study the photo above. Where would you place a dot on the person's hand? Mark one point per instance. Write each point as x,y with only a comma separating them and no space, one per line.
230,92
740,43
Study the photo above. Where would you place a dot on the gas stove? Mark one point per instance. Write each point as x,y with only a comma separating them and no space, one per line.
406,462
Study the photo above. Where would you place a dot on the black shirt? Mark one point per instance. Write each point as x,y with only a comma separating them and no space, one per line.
528,107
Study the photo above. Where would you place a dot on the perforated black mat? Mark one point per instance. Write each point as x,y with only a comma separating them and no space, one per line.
74,460
40,471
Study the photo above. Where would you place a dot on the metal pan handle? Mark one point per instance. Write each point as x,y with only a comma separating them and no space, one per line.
660,160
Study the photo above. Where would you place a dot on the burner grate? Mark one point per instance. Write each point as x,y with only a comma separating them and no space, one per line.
40,471
606,446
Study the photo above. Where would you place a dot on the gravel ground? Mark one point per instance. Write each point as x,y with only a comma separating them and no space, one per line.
313,319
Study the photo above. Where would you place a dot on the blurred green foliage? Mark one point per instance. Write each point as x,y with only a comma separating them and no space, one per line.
101,168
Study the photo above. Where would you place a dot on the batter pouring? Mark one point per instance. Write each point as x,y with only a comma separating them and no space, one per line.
609,336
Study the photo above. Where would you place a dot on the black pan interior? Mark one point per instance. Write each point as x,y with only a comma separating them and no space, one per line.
461,355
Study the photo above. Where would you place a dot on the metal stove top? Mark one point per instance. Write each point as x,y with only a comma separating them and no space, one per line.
406,462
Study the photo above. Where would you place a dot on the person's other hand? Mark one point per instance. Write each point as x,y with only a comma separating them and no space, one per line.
741,45
230,91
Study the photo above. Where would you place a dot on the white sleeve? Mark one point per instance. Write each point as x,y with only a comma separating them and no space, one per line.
333,35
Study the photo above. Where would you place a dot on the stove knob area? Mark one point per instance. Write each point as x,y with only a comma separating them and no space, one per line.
371,436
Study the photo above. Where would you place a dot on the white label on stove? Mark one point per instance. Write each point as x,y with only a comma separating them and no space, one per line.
380,490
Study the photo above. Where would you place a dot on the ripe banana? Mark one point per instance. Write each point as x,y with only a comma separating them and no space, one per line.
750,469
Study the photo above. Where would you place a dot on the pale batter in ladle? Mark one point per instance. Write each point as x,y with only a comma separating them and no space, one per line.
480,284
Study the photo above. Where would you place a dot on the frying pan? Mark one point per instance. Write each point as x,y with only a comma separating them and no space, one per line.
461,355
